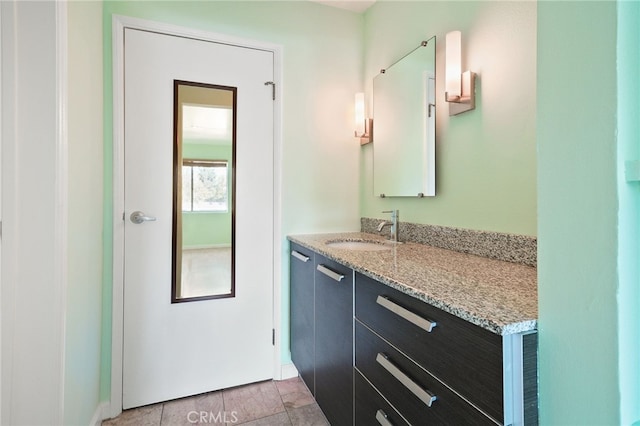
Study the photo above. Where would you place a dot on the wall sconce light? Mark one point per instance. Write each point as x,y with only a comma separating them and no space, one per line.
364,126
460,87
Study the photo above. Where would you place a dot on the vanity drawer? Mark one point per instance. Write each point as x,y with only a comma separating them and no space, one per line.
371,407
466,357
416,394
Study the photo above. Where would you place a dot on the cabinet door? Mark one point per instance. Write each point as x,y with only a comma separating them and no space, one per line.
302,313
334,341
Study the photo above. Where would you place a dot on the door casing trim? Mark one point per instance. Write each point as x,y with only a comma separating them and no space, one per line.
119,24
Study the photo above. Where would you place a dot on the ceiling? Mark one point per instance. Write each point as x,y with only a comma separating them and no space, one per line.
354,5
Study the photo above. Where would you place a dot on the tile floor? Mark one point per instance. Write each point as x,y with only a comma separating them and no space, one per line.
270,403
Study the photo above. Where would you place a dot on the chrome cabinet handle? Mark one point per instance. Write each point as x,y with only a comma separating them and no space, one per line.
299,256
331,274
138,217
381,417
423,323
415,388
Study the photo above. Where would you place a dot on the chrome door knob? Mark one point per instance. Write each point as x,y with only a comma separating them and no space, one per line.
138,217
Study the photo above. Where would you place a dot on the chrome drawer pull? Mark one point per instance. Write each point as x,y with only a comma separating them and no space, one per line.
299,256
423,323
381,417
415,389
331,274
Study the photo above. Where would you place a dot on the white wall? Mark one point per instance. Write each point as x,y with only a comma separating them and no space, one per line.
34,212
84,291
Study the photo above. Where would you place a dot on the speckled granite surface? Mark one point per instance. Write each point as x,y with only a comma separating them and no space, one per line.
496,295
496,245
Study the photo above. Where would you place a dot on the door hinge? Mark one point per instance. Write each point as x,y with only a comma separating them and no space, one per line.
273,88
273,336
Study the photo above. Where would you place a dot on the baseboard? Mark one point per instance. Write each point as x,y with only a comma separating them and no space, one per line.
100,414
288,371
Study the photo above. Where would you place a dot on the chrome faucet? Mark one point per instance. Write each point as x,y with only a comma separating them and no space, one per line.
393,224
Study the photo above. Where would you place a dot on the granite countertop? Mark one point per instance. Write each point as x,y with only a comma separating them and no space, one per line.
499,296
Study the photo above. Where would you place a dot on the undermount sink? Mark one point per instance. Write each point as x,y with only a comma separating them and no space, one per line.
360,245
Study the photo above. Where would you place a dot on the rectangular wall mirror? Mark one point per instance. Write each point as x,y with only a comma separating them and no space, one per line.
203,192
405,125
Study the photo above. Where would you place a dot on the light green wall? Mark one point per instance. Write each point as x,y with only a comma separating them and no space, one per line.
578,214
84,288
545,76
487,171
206,151
200,228
485,158
322,58
628,52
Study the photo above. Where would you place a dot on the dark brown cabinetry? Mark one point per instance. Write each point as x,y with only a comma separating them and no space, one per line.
416,394
374,355
371,408
435,368
334,341
322,331
302,313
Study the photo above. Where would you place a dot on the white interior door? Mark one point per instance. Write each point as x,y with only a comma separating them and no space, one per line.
175,350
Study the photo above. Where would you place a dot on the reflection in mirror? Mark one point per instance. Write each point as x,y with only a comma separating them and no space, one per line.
203,192
404,120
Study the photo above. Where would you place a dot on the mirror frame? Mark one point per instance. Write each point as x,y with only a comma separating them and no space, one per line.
176,255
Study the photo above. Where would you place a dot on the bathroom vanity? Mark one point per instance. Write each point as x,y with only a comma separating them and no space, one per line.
412,334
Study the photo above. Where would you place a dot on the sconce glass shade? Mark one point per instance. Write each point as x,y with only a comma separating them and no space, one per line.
459,87
453,65
359,115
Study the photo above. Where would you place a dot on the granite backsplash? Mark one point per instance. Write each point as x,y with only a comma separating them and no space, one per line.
496,245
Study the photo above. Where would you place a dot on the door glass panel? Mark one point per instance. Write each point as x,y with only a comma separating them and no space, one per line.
203,192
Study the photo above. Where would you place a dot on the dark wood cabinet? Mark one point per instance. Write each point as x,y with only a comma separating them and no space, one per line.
436,368
371,408
321,306
334,340
372,354
467,357
415,393
302,303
